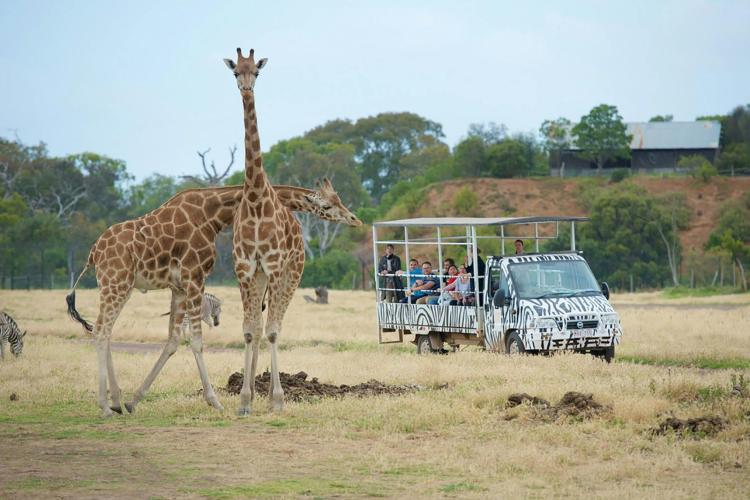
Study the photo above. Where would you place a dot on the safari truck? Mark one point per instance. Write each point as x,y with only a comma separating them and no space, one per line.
533,302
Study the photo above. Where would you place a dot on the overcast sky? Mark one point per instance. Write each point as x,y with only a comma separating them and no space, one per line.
145,81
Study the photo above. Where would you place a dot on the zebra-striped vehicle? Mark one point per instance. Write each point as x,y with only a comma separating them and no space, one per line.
527,302
10,333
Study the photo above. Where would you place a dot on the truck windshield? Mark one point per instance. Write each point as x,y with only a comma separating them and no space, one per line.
553,278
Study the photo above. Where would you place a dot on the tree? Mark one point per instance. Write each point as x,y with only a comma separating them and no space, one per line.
211,176
380,144
507,159
698,167
602,136
150,194
732,232
736,126
470,157
301,162
661,118
674,215
556,134
490,133
735,158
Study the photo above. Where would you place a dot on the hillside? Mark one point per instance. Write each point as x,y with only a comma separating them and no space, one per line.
554,196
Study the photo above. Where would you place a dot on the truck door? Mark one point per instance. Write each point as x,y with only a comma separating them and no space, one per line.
496,316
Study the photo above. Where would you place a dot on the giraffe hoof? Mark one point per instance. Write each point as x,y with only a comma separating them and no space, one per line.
243,411
116,409
130,407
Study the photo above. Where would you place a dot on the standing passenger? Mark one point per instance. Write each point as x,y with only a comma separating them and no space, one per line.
389,265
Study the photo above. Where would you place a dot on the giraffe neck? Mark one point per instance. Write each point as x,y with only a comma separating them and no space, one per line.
255,176
294,198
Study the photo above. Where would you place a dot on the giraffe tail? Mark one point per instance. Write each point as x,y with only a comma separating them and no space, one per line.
71,301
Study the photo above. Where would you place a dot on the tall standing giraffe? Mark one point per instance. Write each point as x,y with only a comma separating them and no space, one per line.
173,247
267,246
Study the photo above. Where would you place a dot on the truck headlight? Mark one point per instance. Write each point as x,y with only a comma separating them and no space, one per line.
610,319
548,324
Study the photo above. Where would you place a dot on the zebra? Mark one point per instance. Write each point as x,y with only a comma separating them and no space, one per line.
9,332
210,312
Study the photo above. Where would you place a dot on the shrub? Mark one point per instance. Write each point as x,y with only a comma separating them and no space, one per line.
619,175
465,202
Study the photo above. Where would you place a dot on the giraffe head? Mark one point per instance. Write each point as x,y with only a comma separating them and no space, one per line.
326,204
245,70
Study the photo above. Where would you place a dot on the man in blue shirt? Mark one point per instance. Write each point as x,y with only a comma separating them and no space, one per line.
427,286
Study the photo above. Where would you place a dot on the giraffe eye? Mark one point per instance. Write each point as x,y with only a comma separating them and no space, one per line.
257,73
236,74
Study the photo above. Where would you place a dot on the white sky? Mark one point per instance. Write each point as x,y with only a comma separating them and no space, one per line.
144,81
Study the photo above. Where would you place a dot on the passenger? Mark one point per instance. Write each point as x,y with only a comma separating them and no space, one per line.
389,264
519,247
447,263
461,294
415,278
476,270
430,285
450,284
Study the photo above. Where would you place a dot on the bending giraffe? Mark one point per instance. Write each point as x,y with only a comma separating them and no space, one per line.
173,247
267,242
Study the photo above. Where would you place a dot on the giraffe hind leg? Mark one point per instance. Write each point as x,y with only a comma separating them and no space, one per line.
176,314
194,305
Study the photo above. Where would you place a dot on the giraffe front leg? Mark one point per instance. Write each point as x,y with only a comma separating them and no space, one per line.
194,301
252,296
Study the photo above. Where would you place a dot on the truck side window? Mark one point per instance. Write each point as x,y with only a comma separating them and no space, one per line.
496,274
504,285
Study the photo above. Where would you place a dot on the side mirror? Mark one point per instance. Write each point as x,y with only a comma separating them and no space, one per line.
605,290
499,299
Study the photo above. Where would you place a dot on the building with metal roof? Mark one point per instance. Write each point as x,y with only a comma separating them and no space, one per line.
654,146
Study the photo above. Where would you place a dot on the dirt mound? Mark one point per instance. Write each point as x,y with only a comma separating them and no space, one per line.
521,397
298,388
706,426
573,404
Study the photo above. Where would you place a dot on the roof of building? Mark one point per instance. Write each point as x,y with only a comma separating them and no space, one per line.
673,135
478,221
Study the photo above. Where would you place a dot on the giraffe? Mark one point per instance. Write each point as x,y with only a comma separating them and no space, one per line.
267,246
173,247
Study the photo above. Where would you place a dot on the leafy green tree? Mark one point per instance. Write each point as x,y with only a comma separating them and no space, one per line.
732,233
380,144
661,118
150,194
490,133
602,136
507,159
698,167
736,126
556,134
336,269
735,158
470,157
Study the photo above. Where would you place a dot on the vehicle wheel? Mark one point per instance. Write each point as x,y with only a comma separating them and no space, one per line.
515,345
607,354
424,346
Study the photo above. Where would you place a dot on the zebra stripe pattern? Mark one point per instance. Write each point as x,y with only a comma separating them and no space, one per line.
10,333
210,312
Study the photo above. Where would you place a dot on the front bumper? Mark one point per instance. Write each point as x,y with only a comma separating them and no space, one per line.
579,333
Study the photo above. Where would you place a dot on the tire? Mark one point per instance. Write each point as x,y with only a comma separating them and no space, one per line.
607,354
424,346
515,344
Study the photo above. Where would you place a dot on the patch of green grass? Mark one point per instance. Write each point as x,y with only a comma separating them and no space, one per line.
698,362
410,470
462,486
679,292
285,487
35,483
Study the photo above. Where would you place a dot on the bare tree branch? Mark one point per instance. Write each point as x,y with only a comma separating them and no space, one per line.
211,176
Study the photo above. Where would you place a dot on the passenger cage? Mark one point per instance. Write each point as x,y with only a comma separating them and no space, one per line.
451,232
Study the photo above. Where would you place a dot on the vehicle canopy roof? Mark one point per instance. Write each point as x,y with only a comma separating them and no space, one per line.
479,221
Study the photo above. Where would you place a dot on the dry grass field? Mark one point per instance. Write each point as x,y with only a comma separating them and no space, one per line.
680,357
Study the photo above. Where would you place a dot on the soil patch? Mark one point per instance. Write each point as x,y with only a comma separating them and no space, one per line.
298,388
573,404
701,426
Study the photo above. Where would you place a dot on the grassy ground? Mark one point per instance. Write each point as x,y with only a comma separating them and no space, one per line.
682,357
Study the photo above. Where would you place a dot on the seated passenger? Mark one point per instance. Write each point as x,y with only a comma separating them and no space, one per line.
462,294
430,285
450,284
415,279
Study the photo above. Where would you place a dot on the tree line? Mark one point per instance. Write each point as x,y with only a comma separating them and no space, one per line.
53,208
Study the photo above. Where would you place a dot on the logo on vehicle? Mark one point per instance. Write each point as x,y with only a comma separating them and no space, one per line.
579,324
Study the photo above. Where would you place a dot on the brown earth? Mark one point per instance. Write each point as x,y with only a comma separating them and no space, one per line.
554,196
702,426
573,404
298,388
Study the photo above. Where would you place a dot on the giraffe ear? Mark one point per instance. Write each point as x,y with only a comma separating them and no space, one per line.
230,64
262,62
